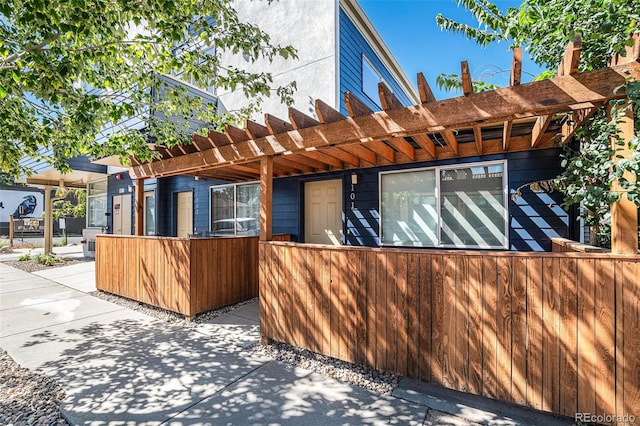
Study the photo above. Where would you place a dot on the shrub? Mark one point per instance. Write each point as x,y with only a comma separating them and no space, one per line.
45,259
24,257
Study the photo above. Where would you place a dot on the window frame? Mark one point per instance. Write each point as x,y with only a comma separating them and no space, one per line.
235,206
90,197
149,194
375,99
438,230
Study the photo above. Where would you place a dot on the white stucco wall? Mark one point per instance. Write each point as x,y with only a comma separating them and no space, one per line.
309,26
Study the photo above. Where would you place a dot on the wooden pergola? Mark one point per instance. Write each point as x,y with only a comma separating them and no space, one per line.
536,115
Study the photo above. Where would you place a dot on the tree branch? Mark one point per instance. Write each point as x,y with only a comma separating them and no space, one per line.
11,59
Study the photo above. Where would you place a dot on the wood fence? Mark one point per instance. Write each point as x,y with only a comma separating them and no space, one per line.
564,245
187,276
558,332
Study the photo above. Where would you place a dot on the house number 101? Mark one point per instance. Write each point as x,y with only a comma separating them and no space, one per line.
352,196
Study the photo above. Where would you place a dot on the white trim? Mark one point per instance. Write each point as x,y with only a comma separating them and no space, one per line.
439,224
359,18
106,195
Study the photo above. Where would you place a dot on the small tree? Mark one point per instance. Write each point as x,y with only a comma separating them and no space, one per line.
74,204
544,27
72,68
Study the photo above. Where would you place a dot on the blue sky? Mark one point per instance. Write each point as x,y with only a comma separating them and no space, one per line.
409,29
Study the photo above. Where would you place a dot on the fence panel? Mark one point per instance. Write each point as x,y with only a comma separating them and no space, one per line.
555,331
187,276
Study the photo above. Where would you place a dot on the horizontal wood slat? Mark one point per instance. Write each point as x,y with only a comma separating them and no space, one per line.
554,331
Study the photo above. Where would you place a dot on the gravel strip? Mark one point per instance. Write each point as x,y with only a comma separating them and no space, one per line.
359,375
33,266
26,397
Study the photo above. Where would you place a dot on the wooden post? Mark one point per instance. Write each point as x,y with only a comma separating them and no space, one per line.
139,208
11,231
266,192
624,213
48,220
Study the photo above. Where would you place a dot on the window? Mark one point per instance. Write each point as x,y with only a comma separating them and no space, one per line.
370,79
409,214
235,209
453,206
97,204
150,213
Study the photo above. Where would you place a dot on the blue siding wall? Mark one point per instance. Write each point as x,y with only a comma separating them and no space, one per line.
533,218
287,207
352,46
166,197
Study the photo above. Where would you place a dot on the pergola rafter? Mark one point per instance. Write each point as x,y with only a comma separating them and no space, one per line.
515,118
427,125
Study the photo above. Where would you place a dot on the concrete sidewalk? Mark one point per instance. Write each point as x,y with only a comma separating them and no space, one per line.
119,366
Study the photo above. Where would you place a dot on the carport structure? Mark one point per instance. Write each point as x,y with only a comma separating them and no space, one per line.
555,331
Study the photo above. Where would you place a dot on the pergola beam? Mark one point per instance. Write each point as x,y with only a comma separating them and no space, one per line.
266,198
426,94
343,155
388,100
506,134
467,82
571,58
217,139
450,140
355,107
290,165
526,100
323,157
138,215
276,125
300,120
382,149
539,128
302,158
402,146
326,114
624,213
516,67
578,118
201,142
362,152
255,130
477,136
235,135
425,143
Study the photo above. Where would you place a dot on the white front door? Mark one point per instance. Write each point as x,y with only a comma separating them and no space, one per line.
185,213
121,214
323,212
